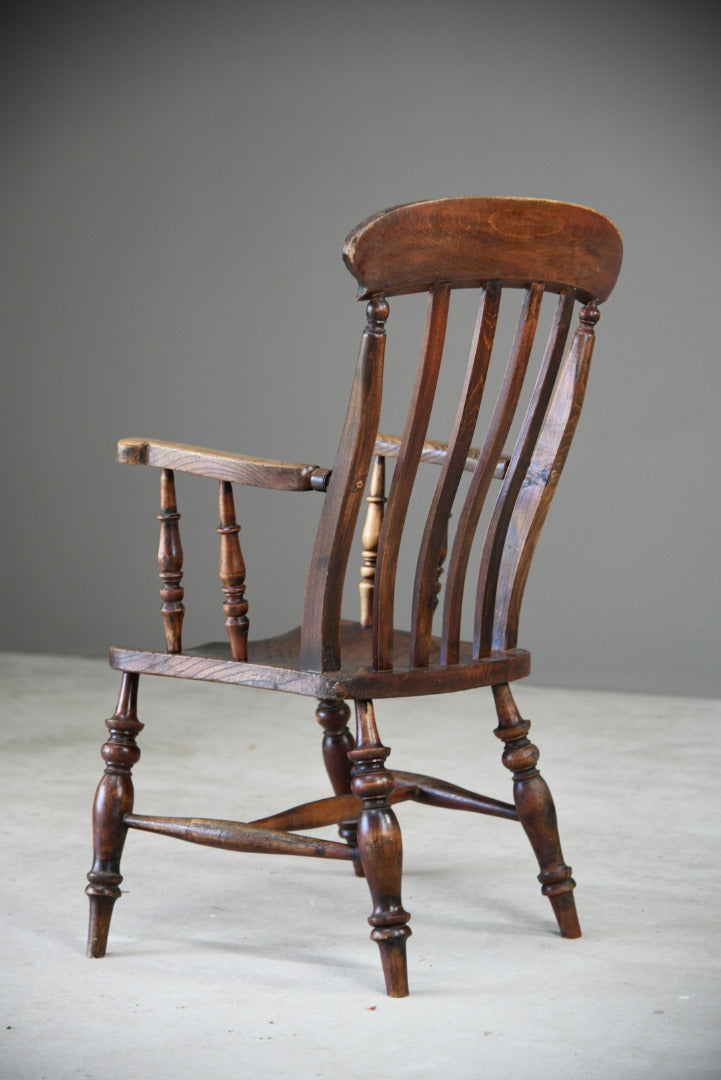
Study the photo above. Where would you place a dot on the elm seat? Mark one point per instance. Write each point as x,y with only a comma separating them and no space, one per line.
522,252
274,664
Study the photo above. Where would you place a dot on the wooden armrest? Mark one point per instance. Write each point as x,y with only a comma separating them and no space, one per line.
237,468
436,452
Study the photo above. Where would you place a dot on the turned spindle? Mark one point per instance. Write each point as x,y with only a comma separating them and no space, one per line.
232,574
369,537
536,810
170,562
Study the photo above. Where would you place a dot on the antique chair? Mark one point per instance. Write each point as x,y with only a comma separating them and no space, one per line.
504,248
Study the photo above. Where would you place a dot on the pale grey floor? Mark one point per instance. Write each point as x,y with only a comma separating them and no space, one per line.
225,965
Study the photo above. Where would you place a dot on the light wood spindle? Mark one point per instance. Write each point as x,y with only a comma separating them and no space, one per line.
371,531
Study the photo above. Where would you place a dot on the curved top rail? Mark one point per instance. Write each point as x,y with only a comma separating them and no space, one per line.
467,241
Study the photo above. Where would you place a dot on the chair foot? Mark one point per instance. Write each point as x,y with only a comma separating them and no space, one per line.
536,811
101,910
380,848
564,908
113,801
391,943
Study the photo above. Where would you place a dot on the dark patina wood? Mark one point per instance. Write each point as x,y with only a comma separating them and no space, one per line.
113,803
513,252
232,574
380,848
236,468
170,563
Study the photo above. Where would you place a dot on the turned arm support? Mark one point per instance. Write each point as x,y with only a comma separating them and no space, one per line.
236,468
227,468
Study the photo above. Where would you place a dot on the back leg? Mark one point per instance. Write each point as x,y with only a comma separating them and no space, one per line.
333,715
536,810
113,800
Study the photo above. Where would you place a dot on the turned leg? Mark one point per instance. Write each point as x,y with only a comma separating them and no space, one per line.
333,715
381,851
536,811
113,800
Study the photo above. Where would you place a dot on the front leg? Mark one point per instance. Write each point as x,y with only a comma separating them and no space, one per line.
113,800
536,811
381,849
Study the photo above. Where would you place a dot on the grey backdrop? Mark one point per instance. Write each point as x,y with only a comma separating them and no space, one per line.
177,180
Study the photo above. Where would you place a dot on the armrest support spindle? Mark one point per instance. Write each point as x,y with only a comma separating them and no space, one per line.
170,562
232,574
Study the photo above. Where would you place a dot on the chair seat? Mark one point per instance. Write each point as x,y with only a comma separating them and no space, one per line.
274,664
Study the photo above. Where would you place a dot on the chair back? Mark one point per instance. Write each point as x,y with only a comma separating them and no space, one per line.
505,248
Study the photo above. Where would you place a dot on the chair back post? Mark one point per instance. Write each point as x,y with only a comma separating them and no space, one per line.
409,456
320,637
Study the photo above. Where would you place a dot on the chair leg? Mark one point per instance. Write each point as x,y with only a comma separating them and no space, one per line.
113,800
536,810
333,715
381,850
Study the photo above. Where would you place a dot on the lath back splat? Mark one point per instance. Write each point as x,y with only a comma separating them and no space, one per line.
532,251
538,247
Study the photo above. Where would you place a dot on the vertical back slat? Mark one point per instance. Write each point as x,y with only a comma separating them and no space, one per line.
436,530
320,639
516,476
404,475
491,450
498,622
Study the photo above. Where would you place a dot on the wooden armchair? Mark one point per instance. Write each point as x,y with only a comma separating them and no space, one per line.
504,248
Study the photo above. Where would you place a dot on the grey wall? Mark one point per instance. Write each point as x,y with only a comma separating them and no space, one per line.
177,180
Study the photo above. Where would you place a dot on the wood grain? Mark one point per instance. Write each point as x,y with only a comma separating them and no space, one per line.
276,664
467,242
221,465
